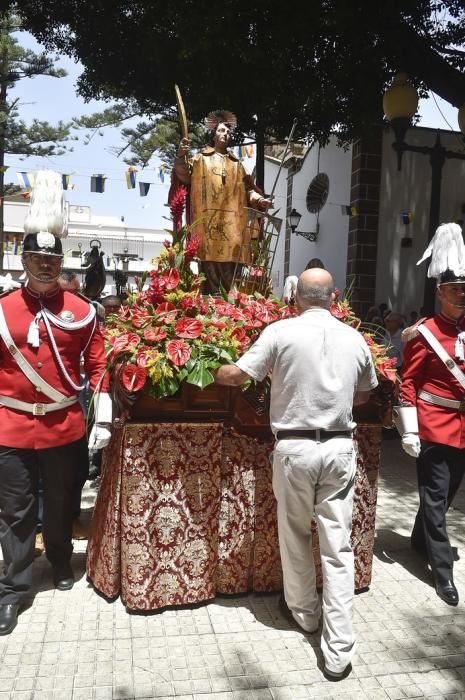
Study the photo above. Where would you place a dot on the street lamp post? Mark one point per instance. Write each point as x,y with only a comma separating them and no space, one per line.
400,103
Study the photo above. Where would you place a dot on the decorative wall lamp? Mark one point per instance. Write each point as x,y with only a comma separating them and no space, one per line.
294,220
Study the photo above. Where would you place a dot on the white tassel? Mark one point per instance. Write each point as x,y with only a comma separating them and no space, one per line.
33,333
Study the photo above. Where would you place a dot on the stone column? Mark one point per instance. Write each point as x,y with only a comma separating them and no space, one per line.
363,227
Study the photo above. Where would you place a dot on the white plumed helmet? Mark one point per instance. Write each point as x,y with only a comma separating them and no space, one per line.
447,251
47,206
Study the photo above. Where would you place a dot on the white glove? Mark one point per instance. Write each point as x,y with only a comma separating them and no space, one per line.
99,437
411,444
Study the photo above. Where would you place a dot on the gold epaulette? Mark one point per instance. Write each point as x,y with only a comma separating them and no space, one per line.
412,331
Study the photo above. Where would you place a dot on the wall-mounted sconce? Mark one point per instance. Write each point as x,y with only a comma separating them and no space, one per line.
294,220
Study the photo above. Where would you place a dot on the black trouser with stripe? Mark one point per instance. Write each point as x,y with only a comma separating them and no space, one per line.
20,470
440,469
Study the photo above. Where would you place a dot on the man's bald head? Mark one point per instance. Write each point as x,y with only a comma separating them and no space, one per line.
314,288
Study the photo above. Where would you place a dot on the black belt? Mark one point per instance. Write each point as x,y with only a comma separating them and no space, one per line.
312,434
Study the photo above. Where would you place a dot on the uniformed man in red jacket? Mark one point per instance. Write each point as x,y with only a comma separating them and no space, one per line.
44,331
431,418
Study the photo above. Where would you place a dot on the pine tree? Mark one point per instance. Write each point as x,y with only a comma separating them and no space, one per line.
39,138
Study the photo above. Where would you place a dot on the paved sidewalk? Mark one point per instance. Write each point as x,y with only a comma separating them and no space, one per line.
75,646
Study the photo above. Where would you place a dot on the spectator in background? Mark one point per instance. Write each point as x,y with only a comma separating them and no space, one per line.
111,304
373,312
394,326
315,262
383,309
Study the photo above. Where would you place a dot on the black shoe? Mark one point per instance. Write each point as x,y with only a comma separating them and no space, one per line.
448,592
337,675
8,617
63,577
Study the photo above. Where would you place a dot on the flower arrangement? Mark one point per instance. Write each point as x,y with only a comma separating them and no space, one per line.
384,364
168,333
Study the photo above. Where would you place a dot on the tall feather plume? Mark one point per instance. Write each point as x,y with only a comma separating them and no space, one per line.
47,205
447,251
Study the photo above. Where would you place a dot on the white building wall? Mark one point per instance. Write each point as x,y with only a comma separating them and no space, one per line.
399,282
331,244
115,237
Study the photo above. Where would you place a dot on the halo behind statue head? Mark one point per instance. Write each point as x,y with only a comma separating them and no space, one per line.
220,116
47,206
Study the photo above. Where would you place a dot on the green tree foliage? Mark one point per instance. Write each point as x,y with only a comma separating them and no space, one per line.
326,62
160,135
16,137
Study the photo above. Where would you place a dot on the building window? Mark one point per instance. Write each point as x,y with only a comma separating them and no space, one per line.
317,193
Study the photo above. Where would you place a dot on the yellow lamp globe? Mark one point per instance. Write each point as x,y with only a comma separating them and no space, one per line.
400,101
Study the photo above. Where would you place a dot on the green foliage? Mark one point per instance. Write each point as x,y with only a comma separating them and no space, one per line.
17,63
155,135
325,62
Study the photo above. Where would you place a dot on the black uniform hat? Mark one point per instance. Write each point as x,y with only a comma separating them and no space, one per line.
44,243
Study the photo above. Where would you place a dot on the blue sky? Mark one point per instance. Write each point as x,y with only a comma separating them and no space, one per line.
53,99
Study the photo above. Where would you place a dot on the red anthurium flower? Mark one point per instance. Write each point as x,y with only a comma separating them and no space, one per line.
139,319
339,311
178,352
143,357
120,343
133,377
217,324
253,323
153,335
188,328
238,315
165,307
223,307
240,335
167,310
171,279
266,316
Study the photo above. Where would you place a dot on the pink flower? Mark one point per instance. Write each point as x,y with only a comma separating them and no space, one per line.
171,279
122,343
145,356
153,335
178,352
339,311
133,378
192,247
167,310
188,328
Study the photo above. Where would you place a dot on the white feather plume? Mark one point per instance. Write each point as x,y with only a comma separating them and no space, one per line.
290,288
47,206
447,251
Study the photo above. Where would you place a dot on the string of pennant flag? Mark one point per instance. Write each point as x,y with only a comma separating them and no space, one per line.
97,181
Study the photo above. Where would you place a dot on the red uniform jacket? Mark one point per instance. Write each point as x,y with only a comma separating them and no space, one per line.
24,430
422,369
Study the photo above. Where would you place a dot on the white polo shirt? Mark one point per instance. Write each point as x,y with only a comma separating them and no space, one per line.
318,363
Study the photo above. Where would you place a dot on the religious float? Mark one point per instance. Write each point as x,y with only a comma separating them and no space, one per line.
185,509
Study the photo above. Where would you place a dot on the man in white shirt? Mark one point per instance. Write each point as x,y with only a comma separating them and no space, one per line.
320,368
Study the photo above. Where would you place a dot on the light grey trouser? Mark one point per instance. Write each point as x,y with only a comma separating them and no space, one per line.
316,479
